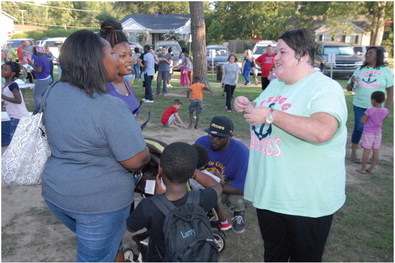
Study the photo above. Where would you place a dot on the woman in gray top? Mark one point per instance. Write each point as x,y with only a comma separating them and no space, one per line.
230,78
94,144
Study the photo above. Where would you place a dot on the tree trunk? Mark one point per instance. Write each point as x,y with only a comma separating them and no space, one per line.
198,30
377,31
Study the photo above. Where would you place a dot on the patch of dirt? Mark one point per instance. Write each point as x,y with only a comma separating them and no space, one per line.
31,233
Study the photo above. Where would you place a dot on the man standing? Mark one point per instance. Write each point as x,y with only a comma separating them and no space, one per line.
266,62
227,158
20,50
149,72
41,67
164,60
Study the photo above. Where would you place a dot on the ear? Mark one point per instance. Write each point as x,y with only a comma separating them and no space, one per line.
160,170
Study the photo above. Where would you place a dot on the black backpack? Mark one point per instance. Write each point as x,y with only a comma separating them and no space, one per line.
187,231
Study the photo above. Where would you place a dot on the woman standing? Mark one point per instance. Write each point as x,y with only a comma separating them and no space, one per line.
50,57
296,172
247,65
94,143
370,77
229,79
136,66
111,30
186,68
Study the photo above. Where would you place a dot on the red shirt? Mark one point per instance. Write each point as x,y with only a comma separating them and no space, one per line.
20,52
167,113
266,62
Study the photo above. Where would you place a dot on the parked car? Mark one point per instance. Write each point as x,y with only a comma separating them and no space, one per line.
15,43
346,59
221,54
175,48
54,44
361,52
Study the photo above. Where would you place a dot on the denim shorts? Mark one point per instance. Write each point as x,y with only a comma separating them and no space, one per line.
99,236
196,105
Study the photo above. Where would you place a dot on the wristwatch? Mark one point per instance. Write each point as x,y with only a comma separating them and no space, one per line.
269,117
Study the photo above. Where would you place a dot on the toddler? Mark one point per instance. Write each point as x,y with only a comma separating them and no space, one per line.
371,135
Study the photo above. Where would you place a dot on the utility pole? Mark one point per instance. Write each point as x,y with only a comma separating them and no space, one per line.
23,21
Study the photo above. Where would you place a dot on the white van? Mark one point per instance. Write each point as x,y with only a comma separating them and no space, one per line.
54,44
260,47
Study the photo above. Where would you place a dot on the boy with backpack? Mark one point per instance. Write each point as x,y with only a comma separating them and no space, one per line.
176,221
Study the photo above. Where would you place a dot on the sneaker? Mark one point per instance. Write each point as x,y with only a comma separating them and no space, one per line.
226,225
149,101
238,224
169,86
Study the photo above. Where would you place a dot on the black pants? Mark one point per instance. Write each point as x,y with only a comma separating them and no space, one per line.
265,82
229,89
293,238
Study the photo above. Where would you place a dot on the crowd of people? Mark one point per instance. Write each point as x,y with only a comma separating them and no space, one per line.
96,141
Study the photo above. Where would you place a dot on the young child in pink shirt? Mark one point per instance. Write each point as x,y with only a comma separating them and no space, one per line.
371,136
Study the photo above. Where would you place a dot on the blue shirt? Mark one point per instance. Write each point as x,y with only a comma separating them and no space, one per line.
231,163
88,137
43,62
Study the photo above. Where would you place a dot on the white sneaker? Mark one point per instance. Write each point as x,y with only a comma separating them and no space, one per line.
149,101
169,86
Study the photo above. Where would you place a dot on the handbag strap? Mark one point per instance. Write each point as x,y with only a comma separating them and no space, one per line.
41,107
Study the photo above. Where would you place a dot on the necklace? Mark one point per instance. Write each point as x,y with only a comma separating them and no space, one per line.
123,90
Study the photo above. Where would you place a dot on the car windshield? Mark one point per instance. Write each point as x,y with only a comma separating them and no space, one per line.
218,52
15,43
53,43
348,51
174,48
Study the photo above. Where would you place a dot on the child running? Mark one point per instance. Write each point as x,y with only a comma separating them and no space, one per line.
371,135
170,116
202,162
195,95
12,96
177,164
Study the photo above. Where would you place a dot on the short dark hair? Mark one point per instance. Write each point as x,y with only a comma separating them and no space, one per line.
379,57
15,67
81,56
136,50
177,102
111,30
178,161
196,78
148,47
378,96
301,41
232,55
202,155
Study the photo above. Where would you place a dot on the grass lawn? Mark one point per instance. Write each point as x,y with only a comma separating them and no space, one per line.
362,229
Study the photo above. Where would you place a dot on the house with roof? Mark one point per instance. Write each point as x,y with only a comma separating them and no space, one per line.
358,34
7,26
155,27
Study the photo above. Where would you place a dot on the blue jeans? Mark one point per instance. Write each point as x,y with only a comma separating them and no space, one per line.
13,124
99,236
136,68
246,74
148,88
358,126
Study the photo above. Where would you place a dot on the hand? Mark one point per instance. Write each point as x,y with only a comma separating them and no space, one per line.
241,103
255,116
354,79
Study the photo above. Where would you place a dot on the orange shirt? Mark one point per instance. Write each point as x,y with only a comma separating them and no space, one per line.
197,91
20,52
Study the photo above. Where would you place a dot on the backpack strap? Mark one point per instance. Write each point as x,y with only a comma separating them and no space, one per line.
193,197
164,205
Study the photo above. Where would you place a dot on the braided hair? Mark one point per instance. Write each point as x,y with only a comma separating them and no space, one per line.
111,30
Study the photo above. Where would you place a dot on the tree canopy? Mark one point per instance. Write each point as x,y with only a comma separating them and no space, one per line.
230,20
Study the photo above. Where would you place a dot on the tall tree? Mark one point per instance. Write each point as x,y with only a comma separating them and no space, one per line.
198,30
378,12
